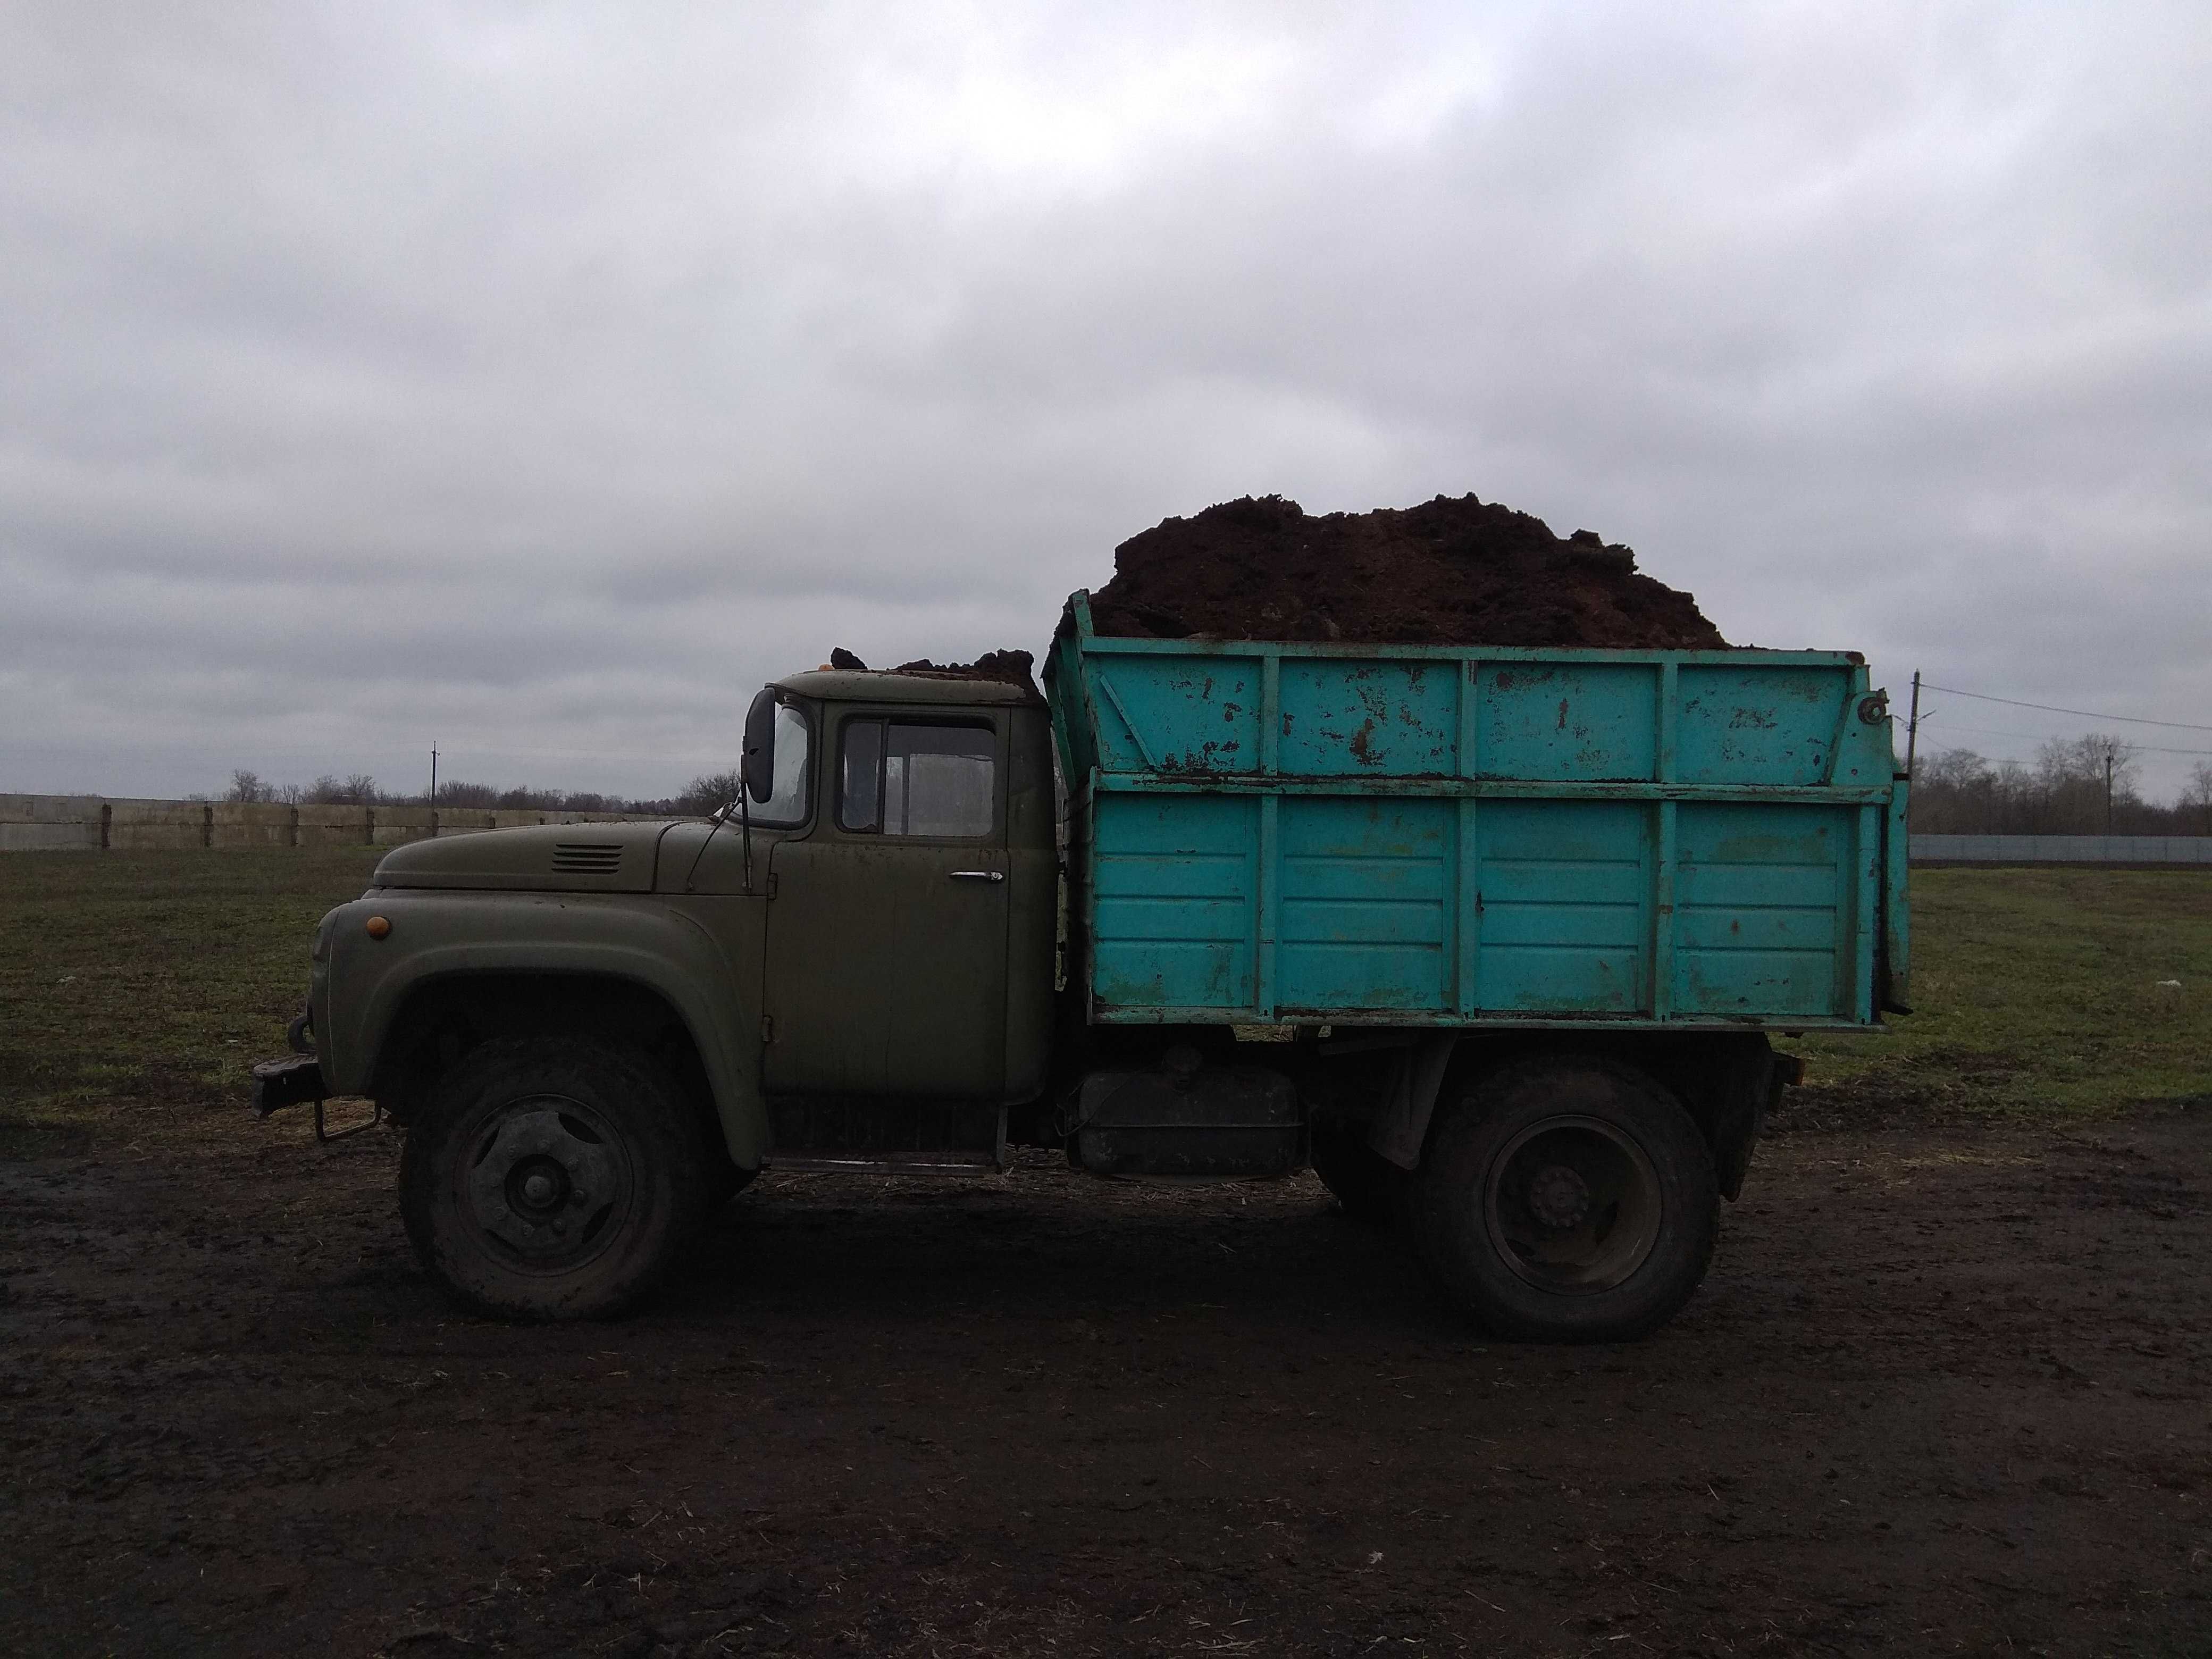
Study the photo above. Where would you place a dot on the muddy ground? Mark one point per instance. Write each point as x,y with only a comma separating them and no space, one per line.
1945,1391
1448,572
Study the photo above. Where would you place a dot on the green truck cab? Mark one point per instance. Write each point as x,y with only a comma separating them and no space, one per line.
1464,931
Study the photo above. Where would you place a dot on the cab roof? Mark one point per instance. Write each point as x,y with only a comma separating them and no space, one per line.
841,685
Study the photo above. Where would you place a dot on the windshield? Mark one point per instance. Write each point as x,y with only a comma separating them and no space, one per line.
788,804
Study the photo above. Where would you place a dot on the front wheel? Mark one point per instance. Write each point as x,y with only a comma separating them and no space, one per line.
550,1179
1569,1200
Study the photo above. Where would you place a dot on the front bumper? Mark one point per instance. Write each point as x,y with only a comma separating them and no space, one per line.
298,1079
287,1082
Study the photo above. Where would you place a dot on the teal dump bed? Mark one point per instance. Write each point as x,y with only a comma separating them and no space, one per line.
1270,832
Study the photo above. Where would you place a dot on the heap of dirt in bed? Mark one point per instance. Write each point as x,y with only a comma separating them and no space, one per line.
1008,667
1446,572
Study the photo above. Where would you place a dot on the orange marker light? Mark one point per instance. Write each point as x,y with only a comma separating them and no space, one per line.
379,926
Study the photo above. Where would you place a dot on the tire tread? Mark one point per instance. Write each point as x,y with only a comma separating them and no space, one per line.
1460,1260
629,1087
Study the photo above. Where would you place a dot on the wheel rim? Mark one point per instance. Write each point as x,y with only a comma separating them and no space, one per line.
1573,1205
546,1184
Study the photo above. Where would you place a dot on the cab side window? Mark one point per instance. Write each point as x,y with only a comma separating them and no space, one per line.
904,778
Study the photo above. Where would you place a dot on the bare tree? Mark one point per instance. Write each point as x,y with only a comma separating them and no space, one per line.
359,789
2085,781
706,794
1957,791
1953,793
2197,796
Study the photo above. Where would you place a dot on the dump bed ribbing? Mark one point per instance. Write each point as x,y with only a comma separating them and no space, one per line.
1474,835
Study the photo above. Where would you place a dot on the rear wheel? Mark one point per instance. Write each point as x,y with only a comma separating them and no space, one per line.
1569,1200
550,1179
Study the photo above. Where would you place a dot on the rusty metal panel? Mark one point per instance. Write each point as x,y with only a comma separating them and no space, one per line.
1174,883
1589,720
1768,914
1473,836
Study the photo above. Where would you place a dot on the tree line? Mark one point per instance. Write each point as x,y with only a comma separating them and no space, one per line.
2074,786
701,796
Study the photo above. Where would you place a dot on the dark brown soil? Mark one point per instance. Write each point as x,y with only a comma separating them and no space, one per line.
1006,667
1448,572
1009,667
1945,1391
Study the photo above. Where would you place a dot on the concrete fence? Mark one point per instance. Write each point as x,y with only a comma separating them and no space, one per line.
96,823
2166,850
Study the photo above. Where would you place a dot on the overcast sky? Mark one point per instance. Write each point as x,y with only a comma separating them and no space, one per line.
539,380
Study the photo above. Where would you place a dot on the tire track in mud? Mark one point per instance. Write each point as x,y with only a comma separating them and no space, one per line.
1945,1390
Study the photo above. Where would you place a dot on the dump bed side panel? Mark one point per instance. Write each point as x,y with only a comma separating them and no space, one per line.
1432,835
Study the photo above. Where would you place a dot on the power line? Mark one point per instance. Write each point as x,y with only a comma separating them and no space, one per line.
1992,732
2052,708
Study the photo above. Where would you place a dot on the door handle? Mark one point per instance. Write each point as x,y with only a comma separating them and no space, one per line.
979,875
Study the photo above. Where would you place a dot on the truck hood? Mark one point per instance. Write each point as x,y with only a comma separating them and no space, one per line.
553,858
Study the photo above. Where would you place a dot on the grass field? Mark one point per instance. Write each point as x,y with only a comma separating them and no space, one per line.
131,981
138,980
2036,991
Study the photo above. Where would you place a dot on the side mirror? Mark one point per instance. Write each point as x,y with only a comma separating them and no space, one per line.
758,763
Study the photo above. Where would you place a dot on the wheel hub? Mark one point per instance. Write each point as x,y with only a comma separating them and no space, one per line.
1573,1203
544,1181
538,1186
1558,1198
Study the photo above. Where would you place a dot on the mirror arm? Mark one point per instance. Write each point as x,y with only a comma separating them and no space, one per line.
745,768
746,828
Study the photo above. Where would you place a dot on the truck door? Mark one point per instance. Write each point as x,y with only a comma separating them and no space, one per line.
886,968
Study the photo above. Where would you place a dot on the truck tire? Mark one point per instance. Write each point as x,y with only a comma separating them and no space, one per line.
550,1179
1570,1199
1371,1188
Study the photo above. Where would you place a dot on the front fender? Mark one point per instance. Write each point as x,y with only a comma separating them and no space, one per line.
435,935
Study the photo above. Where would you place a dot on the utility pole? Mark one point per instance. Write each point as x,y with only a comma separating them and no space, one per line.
2108,790
1912,724
434,772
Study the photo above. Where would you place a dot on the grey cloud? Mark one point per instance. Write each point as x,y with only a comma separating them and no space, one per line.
378,376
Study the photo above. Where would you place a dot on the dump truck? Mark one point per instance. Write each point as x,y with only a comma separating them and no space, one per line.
1493,939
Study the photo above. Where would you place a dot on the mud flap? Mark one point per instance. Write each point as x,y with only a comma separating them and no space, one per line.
1749,1089
1399,1131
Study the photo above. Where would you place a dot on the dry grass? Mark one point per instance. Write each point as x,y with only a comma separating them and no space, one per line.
131,982
2036,990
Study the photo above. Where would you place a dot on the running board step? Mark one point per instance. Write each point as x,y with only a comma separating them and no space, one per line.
886,1135
860,1163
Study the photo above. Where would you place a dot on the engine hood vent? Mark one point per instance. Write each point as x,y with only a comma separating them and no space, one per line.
586,858
567,857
